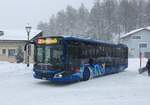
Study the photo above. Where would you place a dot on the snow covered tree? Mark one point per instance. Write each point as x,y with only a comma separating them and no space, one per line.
109,12
99,28
123,15
71,17
52,25
141,19
96,22
106,18
61,23
44,27
147,13
82,20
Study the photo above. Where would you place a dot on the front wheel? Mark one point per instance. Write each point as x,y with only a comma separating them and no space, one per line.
86,74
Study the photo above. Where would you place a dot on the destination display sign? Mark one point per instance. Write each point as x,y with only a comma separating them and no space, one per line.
47,41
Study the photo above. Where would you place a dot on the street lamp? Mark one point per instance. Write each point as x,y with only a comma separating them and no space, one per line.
28,30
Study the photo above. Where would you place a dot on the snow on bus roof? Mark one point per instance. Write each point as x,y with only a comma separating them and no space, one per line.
18,34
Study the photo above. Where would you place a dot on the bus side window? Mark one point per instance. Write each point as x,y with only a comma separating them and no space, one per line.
97,51
93,51
100,51
114,51
73,55
82,52
104,51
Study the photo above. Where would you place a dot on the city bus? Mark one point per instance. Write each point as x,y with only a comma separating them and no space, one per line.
66,59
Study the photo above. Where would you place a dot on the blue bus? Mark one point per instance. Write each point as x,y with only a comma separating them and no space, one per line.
66,59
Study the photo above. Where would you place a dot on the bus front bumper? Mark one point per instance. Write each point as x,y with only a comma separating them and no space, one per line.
66,79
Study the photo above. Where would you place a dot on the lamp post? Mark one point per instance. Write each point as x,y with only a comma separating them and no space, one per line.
140,55
28,30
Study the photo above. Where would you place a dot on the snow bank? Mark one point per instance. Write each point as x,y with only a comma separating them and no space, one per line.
134,63
6,67
8,70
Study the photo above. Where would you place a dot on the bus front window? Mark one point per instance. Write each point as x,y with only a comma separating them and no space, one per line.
49,55
40,54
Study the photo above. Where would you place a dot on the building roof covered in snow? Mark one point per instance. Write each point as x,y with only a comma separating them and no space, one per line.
134,31
18,34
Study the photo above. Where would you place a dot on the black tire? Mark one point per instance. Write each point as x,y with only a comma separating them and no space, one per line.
86,74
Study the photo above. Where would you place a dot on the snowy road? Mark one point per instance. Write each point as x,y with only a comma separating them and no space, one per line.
18,87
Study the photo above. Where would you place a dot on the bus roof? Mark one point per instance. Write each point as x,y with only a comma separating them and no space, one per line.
85,39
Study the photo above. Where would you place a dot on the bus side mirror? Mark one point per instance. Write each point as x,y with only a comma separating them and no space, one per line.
25,47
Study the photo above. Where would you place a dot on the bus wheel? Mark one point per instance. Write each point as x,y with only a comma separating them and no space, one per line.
86,74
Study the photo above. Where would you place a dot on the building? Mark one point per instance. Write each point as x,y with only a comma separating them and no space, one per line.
13,40
138,41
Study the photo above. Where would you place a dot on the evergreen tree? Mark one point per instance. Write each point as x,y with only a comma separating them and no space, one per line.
71,17
147,13
141,20
106,18
96,21
83,19
61,23
52,26
44,27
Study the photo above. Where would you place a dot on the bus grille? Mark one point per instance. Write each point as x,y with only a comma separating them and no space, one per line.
46,75
42,67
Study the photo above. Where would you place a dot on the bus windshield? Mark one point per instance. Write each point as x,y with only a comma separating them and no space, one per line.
50,54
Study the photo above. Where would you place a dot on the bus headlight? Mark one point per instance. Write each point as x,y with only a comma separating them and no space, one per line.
58,76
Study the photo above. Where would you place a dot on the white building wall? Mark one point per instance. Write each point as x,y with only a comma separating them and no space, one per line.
133,44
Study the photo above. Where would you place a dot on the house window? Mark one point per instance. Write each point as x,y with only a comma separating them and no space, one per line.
11,52
147,54
136,37
143,45
3,51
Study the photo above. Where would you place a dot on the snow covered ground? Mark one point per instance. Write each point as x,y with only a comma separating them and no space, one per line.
18,87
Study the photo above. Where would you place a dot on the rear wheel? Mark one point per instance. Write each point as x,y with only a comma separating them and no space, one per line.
86,74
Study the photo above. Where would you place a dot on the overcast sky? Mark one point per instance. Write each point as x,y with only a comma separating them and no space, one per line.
15,14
